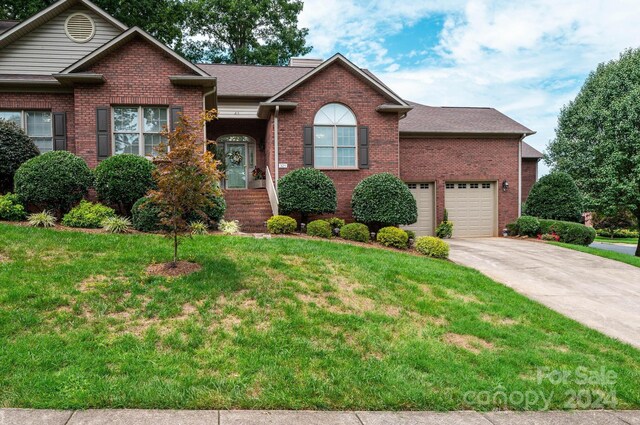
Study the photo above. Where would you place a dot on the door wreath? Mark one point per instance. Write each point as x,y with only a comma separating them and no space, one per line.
235,157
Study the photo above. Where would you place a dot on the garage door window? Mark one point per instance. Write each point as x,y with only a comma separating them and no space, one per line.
486,185
462,185
450,186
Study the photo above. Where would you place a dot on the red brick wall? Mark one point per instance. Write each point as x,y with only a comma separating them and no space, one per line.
54,102
529,176
136,74
338,84
442,160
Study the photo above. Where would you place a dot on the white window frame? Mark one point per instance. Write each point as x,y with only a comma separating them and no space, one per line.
335,146
141,131
24,125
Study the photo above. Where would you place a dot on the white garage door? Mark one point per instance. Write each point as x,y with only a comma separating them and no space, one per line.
472,208
423,192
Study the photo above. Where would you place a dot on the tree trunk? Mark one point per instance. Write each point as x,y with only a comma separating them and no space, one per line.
175,249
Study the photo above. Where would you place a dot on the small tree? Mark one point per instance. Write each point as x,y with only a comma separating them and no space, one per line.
307,191
186,178
16,148
383,200
555,197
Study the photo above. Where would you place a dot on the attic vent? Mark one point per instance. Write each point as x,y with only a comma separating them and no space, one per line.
79,28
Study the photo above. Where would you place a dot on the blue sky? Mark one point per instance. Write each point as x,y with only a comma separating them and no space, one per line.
526,59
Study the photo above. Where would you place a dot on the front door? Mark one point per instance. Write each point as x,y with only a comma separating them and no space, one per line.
236,160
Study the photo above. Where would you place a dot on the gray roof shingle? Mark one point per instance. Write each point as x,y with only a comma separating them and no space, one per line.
530,152
458,120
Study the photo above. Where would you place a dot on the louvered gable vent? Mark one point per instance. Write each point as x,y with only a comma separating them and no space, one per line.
80,27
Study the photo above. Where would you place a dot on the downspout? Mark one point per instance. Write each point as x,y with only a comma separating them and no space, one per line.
520,175
276,164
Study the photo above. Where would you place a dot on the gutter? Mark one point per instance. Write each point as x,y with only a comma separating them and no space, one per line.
520,174
275,144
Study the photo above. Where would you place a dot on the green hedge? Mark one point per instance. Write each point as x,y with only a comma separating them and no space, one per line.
123,179
555,197
319,228
573,233
145,216
393,236
528,226
11,208
306,191
355,232
432,247
383,200
281,224
16,148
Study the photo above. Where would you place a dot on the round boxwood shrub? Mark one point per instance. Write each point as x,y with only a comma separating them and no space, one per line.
555,197
319,228
307,191
528,226
145,215
281,224
54,180
355,232
214,211
123,179
11,209
393,236
383,200
87,215
432,247
16,148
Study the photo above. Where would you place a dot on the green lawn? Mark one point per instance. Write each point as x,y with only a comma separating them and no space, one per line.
276,323
624,258
631,241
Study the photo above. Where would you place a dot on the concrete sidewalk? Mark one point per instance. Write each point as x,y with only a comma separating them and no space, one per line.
257,417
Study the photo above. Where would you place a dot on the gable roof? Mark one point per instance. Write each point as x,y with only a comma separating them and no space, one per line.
529,152
122,39
17,31
261,81
424,119
374,82
7,25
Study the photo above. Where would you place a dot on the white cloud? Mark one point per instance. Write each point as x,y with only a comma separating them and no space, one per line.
526,59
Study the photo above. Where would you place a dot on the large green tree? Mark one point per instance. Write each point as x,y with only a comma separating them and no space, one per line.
598,137
164,19
261,32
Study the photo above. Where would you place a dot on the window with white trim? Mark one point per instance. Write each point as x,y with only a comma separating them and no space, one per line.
334,135
37,124
137,129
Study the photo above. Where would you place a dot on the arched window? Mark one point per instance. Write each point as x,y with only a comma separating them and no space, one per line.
334,137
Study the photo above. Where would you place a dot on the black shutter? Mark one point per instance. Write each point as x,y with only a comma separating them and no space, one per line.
59,131
363,147
102,132
176,112
307,158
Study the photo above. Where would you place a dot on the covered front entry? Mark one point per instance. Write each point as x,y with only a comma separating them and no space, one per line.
472,208
240,159
424,194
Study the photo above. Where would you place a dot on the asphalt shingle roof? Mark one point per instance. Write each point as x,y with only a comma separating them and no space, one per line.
529,151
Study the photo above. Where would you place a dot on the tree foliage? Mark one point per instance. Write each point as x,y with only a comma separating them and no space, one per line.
555,197
164,19
186,178
598,137
261,32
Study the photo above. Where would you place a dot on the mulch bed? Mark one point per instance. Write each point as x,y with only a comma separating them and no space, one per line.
181,268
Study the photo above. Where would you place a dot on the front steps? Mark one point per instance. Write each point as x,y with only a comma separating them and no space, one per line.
250,207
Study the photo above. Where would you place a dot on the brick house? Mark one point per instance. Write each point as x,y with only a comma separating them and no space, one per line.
77,79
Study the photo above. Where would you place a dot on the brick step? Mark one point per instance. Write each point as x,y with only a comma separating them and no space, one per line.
250,207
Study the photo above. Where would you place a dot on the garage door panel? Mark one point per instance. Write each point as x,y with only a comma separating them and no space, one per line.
472,208
424,196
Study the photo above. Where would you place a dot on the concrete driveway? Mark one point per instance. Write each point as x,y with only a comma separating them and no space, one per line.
600,293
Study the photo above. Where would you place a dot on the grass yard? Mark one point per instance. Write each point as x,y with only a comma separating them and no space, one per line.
618,256
276,323
631,241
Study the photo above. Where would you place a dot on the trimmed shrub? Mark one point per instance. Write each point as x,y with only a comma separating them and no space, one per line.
393,236
432,247
573,233
42,219
88,215
11,208
123,179
16,148
116,224
528,226
512,229
54,180
307,191
215,211
281,224
145,215
617,233
383,200
355,232
555,197
319,228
